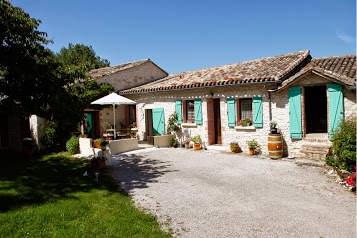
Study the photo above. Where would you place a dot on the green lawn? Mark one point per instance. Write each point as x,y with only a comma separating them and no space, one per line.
50,197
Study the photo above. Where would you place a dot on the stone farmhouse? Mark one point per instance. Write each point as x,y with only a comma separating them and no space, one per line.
306,97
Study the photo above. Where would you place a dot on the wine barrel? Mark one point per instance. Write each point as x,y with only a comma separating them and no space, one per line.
275,146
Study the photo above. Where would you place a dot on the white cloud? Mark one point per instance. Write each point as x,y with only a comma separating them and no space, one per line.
344,37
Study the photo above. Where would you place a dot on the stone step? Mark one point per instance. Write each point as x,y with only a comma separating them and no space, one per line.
312,155
321,152
308,162
320,140
317,149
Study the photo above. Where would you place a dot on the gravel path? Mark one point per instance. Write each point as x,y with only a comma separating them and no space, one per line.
218,194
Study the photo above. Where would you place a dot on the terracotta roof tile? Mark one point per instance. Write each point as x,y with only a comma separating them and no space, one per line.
340,68
261,70
97,73
343,67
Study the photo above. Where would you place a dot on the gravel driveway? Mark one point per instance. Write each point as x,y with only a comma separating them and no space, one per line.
211,193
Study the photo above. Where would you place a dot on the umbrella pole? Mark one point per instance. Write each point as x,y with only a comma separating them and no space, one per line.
115,136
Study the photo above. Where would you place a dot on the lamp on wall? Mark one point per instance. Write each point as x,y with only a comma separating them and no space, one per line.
211,94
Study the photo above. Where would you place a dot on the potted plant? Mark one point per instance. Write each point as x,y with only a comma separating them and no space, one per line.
253,146
197,142
97,142
103,145
246,122
132,134
234,147
84,136
273,128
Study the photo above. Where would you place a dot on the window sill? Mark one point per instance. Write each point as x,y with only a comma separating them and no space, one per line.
188,125
245,128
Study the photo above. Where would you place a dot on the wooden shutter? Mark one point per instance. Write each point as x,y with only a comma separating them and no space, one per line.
295,112
179,111
336,109
258,111
198,112
158,121
231,112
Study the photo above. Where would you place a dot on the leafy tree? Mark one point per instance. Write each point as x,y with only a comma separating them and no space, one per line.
37,81
77,60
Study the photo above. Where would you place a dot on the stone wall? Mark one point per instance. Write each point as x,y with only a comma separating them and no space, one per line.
133,77
279,105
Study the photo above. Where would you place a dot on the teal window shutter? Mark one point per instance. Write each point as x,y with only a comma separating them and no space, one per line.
179,111
258,111
231,112
336,108
295,112
198,112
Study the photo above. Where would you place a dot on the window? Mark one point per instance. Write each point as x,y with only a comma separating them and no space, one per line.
245,109
190,111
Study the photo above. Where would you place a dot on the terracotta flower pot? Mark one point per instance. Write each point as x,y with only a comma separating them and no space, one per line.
251,151
235,148
196,146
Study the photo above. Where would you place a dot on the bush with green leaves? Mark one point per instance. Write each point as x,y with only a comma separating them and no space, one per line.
344,146
72,145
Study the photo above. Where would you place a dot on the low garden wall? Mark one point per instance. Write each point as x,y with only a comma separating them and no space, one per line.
123,145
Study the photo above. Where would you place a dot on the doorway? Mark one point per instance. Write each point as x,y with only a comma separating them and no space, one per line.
316,109
217,121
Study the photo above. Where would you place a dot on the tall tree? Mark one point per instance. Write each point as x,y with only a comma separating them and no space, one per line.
40,82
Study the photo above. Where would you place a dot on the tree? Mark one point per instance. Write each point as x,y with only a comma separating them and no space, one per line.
37,81
79,59
26,65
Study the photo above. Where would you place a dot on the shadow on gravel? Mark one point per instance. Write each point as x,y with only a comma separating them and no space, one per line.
135,171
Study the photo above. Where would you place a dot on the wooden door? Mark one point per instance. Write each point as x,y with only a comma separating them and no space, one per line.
217,121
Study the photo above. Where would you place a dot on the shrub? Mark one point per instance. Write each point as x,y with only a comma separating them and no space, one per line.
344,145
49,141
72,145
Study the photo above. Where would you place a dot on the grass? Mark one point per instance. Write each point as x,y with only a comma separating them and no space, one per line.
50,197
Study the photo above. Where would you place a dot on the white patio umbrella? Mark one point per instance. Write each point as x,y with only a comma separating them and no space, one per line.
113,99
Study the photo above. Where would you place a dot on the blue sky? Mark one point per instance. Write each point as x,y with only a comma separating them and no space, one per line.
186,35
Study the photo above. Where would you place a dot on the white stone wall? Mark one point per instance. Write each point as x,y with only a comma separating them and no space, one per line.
37,126
167,100
133,77
350,103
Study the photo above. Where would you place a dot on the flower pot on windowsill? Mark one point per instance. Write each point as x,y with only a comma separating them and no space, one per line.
196,146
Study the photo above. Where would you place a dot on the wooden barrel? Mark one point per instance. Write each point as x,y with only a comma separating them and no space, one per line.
275,146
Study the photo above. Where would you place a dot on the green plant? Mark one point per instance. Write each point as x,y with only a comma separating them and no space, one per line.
273,124
172,123
344,145
72,145
196,139
99,140
253,144
174,142
246,122
234,144
49,143
84,136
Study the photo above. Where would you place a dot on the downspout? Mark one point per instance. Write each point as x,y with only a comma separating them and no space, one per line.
269,97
